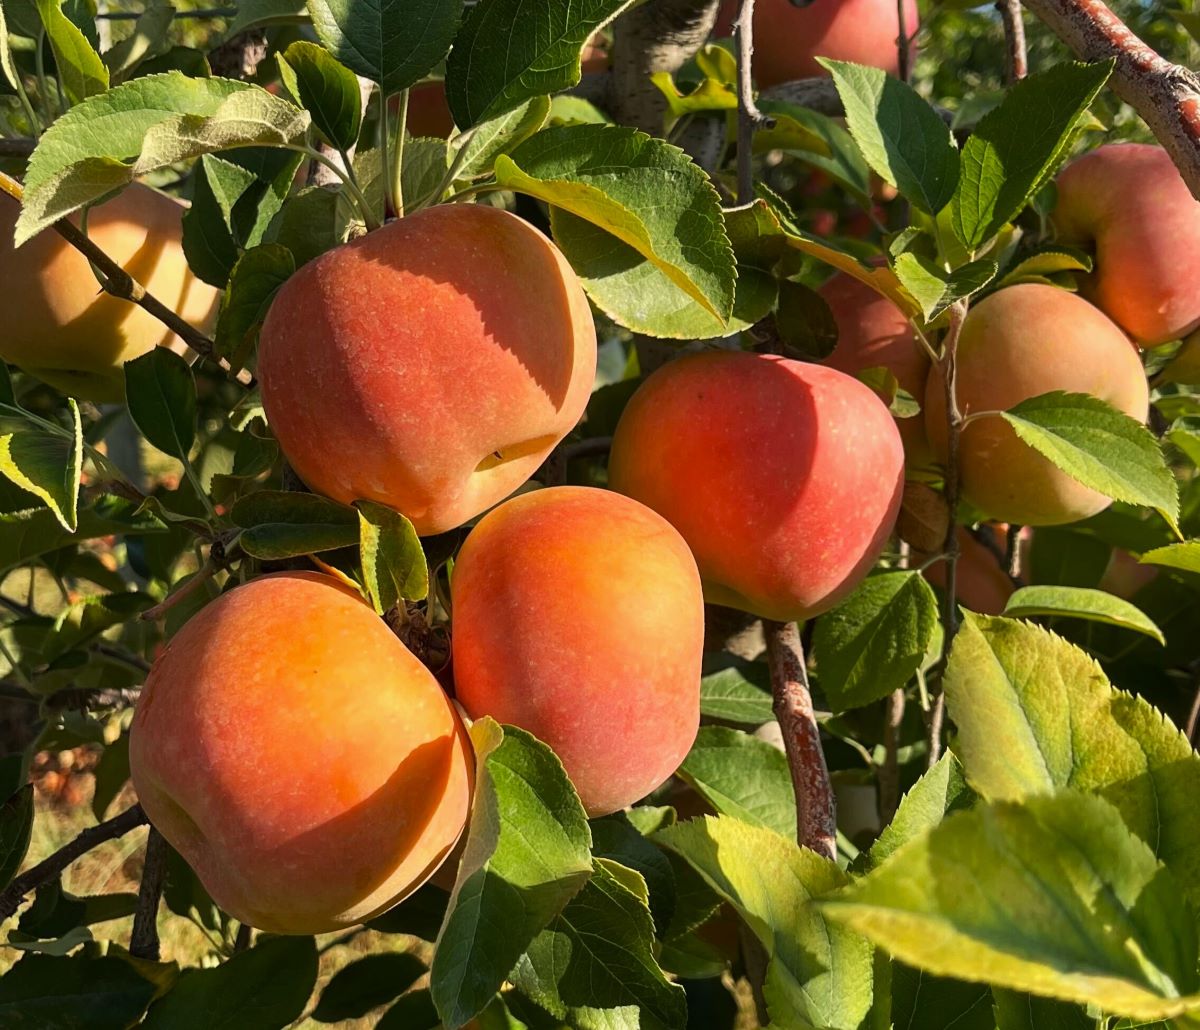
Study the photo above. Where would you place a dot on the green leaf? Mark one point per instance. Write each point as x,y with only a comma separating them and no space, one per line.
644,191
281,524
105,142
1053,896
599,955
1016,1011
1101,447
80,70
7,68
415,1011
1081,603
510,50
818,975
395,43
936,289
527,854
617,838
255,279
326,89
30,533
47,465
393,563
367,983
844,163
255,13
1016,148
16,829
308,223
924,1002
1045,262
149,39
1184,556
1035,714
940,791
736,690
805,323
903,139
267,985
873,642
477,150
43,991
744,777
160,391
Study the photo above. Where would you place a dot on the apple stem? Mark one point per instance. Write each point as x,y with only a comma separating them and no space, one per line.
1166,95
749,116
816,809
52,866
1014,38
143,943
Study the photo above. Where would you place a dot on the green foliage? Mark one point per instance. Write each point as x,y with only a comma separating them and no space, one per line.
742,776
393,563
1081,603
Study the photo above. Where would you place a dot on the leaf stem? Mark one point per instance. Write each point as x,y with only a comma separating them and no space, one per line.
389,198
344,174
397,172
447,180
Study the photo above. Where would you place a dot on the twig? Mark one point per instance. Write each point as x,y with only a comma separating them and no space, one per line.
954,423
903,41
816,818
889,772
50,867
1193,718
118,283
1014,39
1166,95
19,147
749,116
143,943
242,941
202,576
199,13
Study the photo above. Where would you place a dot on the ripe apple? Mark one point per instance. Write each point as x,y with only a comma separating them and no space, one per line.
1130,203
60,326
430,365
873,333
374,784
789,37
578,616
784,477
980,581
1019,343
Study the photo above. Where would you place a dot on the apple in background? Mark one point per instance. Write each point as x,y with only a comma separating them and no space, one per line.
981,582
431,365
784,477
788,37
873,332
1130,203
1019,343
58,324
376,787
1125,575
578,616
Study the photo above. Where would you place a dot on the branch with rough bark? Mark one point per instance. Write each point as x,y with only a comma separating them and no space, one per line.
143,942
1017,66
816,809
658,36
1164,94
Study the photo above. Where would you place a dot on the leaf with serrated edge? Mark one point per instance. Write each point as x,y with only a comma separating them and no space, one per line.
818,975
935,289
1035,714
160,391
736,690
1053,896
325,88
742,776
645,192
48,466
81,72
1081,603
1184,556
1102,448
393,562
940,791
873,642
477,149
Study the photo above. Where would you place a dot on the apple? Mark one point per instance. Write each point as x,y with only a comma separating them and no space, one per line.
1018,343
783,476
431,365
62,328
578,616
376,785
1129,202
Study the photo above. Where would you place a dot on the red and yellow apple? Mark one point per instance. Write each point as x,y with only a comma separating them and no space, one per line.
578,616
430,365
788,37
1018,343
374,784
60,326
874,333
980,580
784,477
1130,203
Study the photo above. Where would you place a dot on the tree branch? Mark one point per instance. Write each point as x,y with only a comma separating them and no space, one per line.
749,116
658,36
49,868
903,41
1164,94
144,941
816,812
889,772
1014,39
19,147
